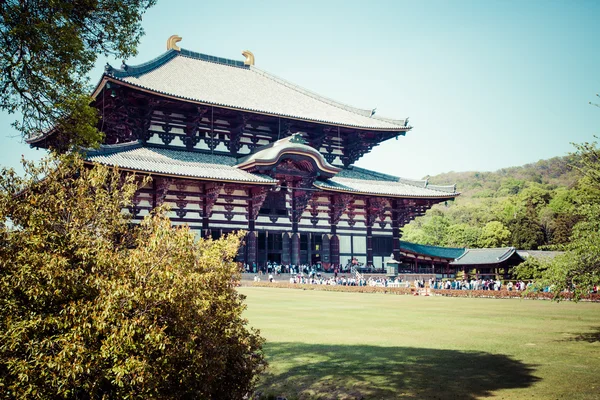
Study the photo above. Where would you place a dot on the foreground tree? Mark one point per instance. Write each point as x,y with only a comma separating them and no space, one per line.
578,269
47,49
91,307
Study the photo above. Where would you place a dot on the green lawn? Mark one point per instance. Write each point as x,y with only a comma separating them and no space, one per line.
374,346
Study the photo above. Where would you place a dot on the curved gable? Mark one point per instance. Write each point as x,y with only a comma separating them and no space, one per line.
292,150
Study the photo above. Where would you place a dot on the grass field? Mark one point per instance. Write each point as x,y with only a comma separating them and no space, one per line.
329,345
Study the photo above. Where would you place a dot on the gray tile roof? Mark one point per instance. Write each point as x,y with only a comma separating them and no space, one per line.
381,187
174,163
486,256
197,77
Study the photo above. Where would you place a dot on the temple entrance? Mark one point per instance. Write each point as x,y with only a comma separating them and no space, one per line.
274,258
270,246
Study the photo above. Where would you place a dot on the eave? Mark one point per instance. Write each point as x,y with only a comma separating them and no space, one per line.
107,78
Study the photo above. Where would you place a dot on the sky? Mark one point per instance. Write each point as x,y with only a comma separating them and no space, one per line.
485,84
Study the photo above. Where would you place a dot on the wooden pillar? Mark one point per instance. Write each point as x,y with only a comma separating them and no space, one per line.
395,229
250,237
266,255
295,249
309,248
334,250
325,256
251,248
369,246
286,253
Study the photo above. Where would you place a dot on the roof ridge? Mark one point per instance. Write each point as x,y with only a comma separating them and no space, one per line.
113,148
327,100
157,62
431,245
375,173
463,254
143,68
214,59
507,253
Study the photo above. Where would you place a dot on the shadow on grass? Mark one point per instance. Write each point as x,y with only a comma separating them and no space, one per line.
306,371
590,337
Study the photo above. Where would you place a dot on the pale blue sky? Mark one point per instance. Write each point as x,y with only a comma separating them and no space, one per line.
486,84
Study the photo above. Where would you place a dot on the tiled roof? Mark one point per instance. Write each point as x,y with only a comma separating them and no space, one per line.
450,253
486,256
228,83
134,156
381,187
174,163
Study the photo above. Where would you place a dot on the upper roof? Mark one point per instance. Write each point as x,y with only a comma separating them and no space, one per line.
449,253
205,79
184,164
487,256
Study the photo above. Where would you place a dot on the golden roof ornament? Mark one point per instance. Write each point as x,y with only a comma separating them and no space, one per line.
249,57
172,42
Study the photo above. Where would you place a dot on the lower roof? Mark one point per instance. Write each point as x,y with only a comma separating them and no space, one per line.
182,163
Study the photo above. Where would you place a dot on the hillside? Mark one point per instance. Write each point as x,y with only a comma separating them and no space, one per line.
554,172
528,207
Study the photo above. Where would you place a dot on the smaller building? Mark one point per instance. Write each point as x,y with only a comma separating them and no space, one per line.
488,263
425,259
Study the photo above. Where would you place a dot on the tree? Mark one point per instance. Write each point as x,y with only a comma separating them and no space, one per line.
578,269
91,307
462,235
494,234
435,230
46,50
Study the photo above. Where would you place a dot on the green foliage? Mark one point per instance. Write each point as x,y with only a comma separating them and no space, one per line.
579,268
535,203
48,48
494,234
526,233
91,307
510,186
462,235
531,268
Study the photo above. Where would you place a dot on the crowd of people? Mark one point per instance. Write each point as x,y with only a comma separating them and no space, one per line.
311,276
478,284
278,269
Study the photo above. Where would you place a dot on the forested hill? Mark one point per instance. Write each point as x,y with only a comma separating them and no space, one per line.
556,171
528,207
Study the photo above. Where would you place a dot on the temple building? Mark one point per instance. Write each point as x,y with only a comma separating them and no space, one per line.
229,146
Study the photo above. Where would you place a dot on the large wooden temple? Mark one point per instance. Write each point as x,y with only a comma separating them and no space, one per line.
229,146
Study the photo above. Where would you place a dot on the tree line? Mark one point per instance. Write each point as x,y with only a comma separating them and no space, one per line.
529,207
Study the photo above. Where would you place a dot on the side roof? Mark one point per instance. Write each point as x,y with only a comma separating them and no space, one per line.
205,79
487,256
358,180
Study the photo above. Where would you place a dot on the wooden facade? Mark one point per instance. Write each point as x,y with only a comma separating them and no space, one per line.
289,181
